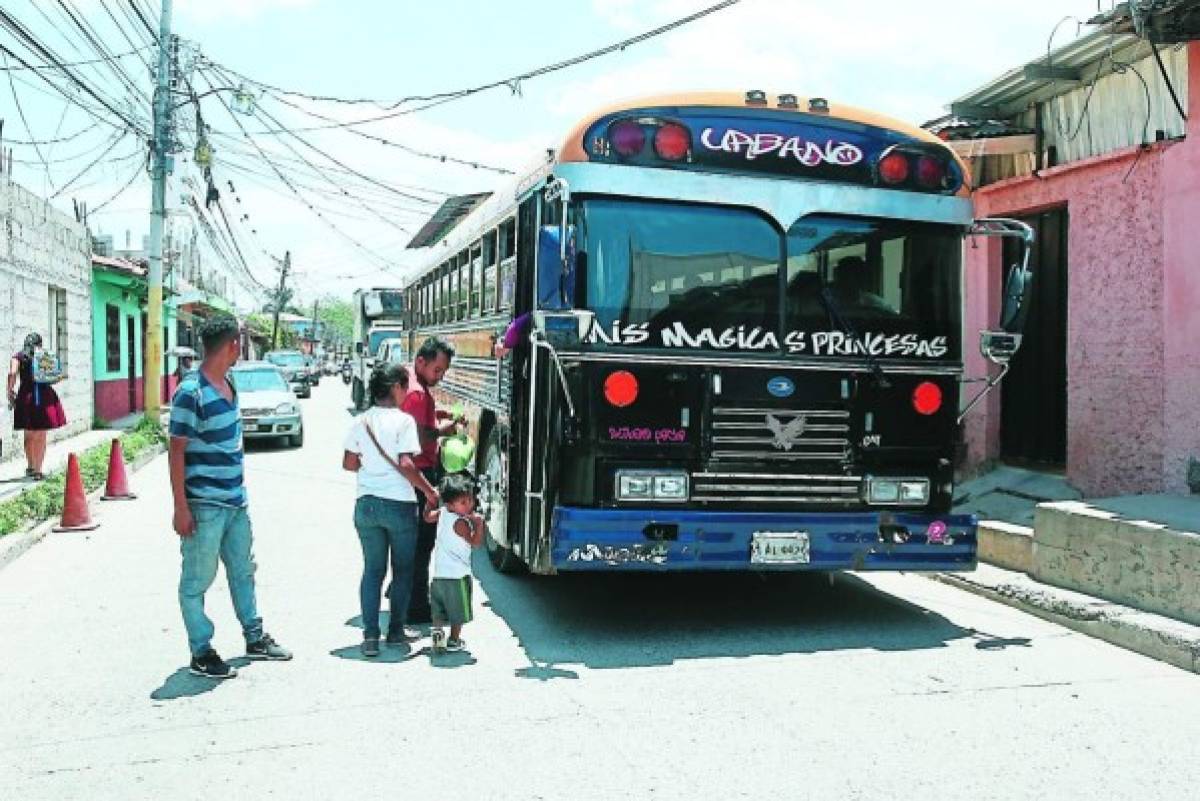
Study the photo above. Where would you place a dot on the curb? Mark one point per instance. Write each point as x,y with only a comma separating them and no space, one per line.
14,545
1161,638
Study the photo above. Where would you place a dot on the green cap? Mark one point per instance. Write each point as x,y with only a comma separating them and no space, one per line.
457,452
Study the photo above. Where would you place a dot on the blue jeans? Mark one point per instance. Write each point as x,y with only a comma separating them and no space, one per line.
384,527
222,532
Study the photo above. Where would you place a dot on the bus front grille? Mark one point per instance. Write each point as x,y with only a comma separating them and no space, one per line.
713,487
779,435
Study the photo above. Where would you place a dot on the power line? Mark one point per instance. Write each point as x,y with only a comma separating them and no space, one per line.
116,141
85,62
17,29
58,140
397,145
24,121
138,171
512,82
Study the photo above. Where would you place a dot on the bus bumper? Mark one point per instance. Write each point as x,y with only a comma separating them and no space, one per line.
678,540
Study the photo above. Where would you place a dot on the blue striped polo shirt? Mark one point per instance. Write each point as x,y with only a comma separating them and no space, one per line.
212,427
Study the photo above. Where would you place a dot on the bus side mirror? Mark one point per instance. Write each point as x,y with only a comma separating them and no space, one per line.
1019,280
358,348
564,328
999,347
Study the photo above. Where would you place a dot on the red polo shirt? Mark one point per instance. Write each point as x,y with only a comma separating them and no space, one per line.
419,404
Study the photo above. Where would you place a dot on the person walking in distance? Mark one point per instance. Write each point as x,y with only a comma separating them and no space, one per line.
459,530
211,518
379,449
36,408
430,364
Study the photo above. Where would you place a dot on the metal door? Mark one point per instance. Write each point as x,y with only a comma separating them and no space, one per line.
1033,407
130,340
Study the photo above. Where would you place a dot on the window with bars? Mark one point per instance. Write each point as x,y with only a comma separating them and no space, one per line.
112,338
56,333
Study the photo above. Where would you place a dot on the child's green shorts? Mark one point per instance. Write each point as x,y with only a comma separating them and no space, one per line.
450,600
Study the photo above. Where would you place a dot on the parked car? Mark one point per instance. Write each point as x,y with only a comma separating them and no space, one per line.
269,407
291,363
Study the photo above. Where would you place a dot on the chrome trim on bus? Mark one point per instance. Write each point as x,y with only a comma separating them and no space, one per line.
785,200
730,363
772,499
840,414
778,476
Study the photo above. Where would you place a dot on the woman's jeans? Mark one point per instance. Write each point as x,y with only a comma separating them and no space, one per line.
384,527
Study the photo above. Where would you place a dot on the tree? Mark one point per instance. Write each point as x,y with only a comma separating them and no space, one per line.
337,315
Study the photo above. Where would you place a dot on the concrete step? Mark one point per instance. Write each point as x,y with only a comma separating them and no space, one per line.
1006,545
1152,635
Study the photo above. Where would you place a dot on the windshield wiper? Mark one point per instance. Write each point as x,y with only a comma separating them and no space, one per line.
839,319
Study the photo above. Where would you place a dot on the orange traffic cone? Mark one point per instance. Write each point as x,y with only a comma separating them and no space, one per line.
116,487
75,516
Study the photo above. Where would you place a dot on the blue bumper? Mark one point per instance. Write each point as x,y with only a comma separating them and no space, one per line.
616,539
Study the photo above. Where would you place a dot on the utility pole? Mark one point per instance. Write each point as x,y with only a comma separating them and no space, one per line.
287,263
152,368
315,327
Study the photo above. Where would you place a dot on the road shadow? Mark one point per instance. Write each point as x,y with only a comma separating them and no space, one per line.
182,684
619,620
388,654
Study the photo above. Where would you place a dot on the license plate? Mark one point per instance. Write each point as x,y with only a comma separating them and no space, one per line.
779,547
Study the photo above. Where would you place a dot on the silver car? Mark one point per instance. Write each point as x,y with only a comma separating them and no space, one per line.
269,407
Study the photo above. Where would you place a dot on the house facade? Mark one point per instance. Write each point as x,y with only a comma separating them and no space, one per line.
45,286
1088,146
119,294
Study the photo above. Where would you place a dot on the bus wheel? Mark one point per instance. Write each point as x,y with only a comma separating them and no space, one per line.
356,395
493,503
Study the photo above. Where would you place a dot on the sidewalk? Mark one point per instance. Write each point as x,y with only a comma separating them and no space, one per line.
12,470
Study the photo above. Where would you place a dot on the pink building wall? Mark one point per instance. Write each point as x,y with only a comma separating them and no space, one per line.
1133,278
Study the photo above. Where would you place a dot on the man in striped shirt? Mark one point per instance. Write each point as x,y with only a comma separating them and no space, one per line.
210,502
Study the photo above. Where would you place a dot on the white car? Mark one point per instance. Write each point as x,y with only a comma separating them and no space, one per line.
269,407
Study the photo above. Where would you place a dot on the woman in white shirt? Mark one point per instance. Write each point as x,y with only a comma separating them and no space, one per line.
379,448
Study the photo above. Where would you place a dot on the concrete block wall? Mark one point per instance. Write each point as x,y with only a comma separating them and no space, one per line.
41,247
1144,565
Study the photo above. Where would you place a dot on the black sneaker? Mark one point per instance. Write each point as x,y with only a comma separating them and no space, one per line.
456,644
370,646
267,648
408,635
211,666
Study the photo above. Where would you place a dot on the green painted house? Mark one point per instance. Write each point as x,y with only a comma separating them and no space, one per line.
119,338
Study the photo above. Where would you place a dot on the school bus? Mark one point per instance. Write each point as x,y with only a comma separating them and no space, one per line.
744,347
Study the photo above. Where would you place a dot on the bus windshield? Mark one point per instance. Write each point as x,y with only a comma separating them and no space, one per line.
377,337
677,276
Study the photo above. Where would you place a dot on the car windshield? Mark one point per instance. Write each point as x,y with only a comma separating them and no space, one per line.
670,275
286,359
376,339
258,381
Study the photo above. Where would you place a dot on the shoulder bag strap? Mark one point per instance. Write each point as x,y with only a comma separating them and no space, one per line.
395,465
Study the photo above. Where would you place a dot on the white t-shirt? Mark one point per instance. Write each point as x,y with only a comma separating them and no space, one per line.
451,553
397,433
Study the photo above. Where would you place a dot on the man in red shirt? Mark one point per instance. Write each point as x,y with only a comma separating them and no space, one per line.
431,363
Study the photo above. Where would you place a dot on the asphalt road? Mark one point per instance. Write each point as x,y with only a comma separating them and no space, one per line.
604,687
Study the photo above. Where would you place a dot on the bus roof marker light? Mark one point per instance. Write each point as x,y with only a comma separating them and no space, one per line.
931,172
788,101
927,398
893,168
818,105
628,138
756,97
621,388
672,142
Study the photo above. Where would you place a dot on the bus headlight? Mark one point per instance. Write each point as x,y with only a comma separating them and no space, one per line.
669,486
898,491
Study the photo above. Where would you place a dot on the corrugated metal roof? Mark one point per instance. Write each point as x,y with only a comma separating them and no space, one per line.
1014,91
453,211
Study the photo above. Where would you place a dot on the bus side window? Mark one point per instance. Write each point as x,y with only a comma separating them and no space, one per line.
489,262
475,301
508,263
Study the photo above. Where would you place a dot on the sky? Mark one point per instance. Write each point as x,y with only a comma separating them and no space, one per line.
905,60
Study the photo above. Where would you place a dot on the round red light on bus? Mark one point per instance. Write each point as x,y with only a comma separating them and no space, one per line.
672,142
893,168
927,398
621,388
931,172
627,138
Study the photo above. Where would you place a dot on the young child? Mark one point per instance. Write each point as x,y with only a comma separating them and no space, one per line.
459,529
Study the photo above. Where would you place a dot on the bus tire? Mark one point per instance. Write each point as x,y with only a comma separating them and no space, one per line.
493,483
357,396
